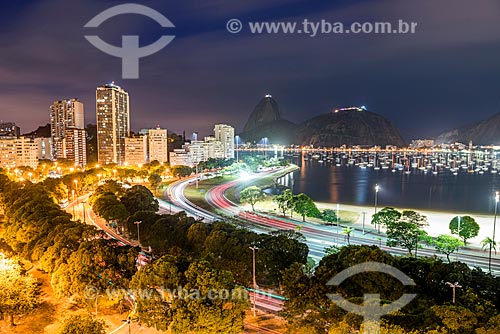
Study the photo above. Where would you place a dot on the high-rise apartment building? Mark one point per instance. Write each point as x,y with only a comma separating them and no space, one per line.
225,134
17,152
64,114
44,148
113,123
9,129
74,146
158,145
136,150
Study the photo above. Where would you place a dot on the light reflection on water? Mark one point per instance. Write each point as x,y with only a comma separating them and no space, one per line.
465,192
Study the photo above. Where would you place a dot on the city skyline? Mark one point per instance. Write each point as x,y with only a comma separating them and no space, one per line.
208,62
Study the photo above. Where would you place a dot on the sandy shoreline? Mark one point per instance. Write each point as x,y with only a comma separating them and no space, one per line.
438,220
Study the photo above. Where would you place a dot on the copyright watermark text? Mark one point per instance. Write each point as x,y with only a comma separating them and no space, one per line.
315,28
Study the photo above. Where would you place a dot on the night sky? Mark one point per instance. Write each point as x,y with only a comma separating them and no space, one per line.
445,75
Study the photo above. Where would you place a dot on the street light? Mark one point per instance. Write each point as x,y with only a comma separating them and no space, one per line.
253,248
458,232
128,322
337,222
237,142
364,218
96,298
454,286
73,196
138,236
377,188
83,205
76,185
497,198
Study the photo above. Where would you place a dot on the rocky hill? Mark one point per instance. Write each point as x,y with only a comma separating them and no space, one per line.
483,133
350,126
41,131
266,121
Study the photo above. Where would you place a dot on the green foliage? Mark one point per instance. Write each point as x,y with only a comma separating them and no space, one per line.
282,249
347,231
252,195
83,324
56,187
469,228
454,319
447,245
386,216
214,163
329,216
284,201
75,254
139,198
305,206
154,180
180,297
404,231
19,293
181,171
308,309
110,208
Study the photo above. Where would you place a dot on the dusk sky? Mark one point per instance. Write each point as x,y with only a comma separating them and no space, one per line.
445,75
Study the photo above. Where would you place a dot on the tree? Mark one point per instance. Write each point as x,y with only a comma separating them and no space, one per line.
492,245
447,245
181,171
284,201
139,198
329,216
347,231
83,324
469,228
406,232
385,217
110,208
280,250
201,313
154,308
252,195
155,181
305,206
19,293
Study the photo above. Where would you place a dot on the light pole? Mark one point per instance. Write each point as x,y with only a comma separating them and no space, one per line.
138,235
237,142
364,217
253,248
83,205
458,232
337,216
73,196
454,286
377,188
96,298
497,198
128,322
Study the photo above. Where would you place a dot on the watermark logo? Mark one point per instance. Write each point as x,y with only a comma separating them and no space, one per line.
234,26
371,310
130,51
164,294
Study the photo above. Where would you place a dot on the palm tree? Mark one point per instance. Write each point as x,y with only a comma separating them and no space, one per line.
347,231
492,245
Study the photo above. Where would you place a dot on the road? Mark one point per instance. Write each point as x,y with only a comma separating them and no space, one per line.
318,237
